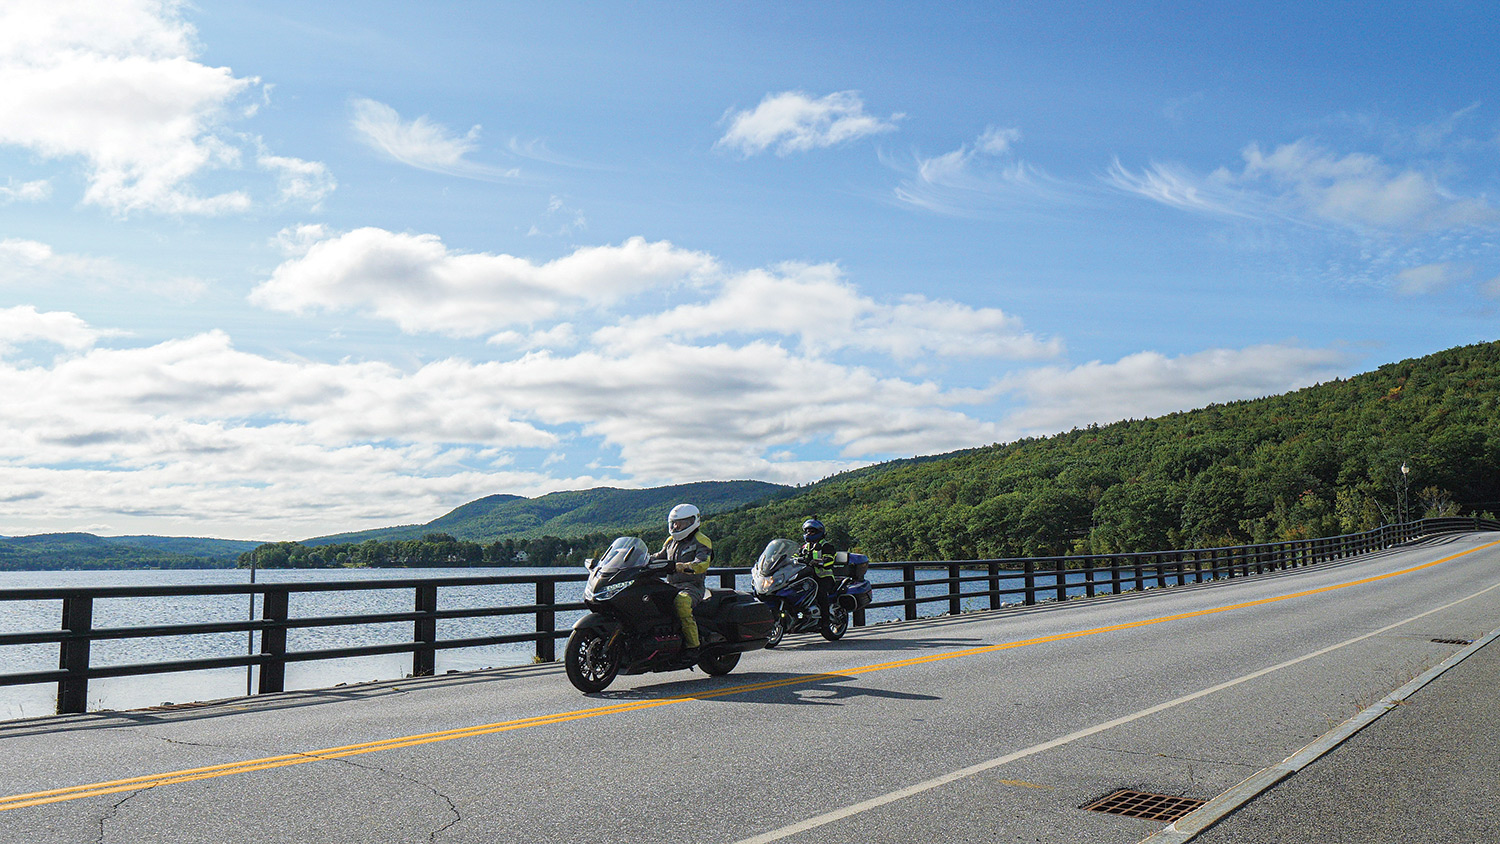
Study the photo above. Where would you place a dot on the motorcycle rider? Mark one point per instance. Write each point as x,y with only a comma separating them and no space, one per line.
692,552
819,553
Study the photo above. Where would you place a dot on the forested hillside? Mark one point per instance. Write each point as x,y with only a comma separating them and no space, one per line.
574,513
1316,462
1319,461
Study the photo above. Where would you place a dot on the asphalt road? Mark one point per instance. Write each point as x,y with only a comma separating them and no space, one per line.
984,727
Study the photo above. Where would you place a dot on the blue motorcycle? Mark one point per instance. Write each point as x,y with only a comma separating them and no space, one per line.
786,581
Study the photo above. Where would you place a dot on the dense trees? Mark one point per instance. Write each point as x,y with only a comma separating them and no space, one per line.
1316,462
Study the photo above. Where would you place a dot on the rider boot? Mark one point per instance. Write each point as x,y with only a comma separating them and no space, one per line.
684,604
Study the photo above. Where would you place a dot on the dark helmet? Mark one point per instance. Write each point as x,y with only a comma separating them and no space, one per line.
812,531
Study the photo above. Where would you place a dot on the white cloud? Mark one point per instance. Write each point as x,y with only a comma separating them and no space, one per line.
1430,278
34,191
819,307
421,143
981,178
1151,384
793,121
302,182
115,83
1303,180
1491,288
24,324
419,284
29,261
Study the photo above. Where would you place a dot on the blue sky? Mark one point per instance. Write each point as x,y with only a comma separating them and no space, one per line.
272,270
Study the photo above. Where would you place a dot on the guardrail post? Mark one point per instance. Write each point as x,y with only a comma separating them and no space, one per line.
424,655
1140,574
1060,580
1114,576
1030,583
273,611
994,586
73,656
546,621
1088,579
909,591
955,590
726,580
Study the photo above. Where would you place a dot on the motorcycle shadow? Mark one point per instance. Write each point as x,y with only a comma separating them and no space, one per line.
853,642
767,687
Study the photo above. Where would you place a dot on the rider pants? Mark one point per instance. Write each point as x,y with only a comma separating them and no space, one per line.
684,604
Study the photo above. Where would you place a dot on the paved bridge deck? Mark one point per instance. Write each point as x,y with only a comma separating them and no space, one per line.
982,727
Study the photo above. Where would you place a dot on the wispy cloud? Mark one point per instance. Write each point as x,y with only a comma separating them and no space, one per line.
34,191
1430,278
1306,181
421,143
795,121
981,178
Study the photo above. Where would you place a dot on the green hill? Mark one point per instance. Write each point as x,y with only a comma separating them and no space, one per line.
572,513
67,551
1316,462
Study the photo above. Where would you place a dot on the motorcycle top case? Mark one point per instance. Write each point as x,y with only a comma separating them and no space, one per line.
746,618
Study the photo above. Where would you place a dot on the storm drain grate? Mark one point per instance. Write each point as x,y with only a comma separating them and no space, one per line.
1151,807
1453,641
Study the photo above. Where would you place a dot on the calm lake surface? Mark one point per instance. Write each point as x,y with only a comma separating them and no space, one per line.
182,687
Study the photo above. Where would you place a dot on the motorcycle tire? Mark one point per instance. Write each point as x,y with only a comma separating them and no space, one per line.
590,668
715,666
835,624
778,631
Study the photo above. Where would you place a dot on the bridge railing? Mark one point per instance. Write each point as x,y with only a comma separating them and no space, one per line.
1026,580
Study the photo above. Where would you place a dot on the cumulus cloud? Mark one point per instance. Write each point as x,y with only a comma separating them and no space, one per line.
421,143
1150,384
825,313
418,283
115,84
25,324
196,431
795,121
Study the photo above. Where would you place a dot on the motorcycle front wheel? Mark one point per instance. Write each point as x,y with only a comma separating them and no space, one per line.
835,624
714,666
778,631
591,665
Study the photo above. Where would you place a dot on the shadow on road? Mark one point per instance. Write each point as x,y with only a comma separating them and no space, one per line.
764,687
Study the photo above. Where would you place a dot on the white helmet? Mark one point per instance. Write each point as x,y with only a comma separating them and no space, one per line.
682,521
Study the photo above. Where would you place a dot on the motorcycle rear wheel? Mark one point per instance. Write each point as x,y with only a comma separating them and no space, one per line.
835,624
715,666
591,665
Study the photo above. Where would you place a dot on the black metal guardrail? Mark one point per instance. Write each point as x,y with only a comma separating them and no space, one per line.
1042,579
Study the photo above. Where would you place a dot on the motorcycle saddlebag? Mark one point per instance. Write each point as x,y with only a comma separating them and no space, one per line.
857,593
745,618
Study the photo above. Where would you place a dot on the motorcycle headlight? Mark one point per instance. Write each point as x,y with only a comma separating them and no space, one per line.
604,593
763,583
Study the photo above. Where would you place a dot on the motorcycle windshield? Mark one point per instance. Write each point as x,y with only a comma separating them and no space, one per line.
626,553
777,554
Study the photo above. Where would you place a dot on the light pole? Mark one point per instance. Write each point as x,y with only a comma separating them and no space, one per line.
1405,473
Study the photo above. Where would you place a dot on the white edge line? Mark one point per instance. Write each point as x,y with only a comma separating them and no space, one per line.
1190,825
1171,834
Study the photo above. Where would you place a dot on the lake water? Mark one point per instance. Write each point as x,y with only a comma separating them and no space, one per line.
181,687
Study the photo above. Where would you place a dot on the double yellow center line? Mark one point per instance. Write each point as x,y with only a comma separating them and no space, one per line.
57,795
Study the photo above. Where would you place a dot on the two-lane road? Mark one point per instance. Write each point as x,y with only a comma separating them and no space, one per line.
985,727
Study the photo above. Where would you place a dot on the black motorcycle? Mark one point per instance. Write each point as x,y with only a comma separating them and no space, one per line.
633,626
786,582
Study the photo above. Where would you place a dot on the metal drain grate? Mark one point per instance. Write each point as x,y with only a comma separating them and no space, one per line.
1453,641
1151,807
